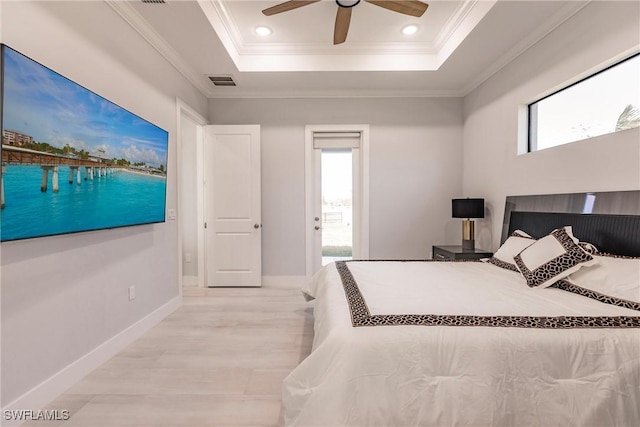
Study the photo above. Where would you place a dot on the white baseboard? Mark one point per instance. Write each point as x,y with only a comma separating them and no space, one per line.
284,281
48,390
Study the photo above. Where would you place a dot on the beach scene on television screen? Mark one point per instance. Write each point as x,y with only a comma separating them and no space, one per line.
71,160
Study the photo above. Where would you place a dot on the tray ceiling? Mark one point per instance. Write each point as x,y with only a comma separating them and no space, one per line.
302,38
457,46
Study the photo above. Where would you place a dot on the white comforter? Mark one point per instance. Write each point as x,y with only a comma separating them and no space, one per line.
460,375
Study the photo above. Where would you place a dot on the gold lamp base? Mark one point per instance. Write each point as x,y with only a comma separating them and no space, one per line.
468,235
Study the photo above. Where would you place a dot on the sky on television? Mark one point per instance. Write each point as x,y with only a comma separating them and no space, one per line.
51,108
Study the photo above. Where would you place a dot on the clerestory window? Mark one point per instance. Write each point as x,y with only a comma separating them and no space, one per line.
605,102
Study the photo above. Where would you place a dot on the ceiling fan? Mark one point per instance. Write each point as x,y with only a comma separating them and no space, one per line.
343,17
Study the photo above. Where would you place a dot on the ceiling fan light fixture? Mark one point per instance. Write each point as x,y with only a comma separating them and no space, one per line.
347,3
263,31
410,29
414,8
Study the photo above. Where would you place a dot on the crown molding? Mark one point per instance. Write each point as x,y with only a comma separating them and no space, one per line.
243,48
353,48
318,94
461,26
566,12
133,18
457,20
260,57
138,23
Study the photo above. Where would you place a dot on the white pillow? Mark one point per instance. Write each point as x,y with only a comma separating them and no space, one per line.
616,277
518,241
552,258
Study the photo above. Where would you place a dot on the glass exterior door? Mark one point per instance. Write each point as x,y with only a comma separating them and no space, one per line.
336,194
336,204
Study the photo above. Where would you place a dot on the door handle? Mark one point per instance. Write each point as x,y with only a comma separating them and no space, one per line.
257,226
317,227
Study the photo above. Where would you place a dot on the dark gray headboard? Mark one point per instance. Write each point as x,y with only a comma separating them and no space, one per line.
609,220
616,234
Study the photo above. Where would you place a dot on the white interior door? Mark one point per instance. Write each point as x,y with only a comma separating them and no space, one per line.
232,206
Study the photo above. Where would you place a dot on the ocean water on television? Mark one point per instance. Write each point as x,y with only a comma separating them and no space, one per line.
118,199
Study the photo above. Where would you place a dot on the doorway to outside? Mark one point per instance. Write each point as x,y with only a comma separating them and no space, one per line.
337,165
336,204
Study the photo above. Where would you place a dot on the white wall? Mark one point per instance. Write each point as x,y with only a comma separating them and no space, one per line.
64,296
415,170
599,33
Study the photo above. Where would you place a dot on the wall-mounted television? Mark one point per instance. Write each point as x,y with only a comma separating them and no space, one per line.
73,161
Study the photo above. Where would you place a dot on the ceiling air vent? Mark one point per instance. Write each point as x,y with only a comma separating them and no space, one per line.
222,80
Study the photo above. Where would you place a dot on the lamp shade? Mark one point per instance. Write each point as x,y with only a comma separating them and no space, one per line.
467,208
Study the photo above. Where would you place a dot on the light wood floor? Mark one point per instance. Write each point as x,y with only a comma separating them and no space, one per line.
219,360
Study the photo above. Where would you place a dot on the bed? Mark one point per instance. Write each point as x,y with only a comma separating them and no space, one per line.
503,342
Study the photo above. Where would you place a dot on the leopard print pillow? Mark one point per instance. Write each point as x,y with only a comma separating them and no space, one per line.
503,258
552,258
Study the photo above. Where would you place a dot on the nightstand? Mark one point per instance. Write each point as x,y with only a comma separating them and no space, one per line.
456,252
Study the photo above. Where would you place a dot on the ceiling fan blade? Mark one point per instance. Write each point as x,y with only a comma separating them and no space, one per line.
286,6
343,19
408,7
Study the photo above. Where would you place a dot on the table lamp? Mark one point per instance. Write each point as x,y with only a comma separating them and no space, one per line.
467,209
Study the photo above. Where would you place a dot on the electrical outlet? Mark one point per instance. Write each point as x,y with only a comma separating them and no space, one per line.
171,214
187,257
132,293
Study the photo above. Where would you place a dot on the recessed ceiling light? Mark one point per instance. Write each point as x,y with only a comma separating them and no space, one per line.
410,30
263,31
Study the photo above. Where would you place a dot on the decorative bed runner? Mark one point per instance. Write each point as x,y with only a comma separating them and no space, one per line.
361,316
607,299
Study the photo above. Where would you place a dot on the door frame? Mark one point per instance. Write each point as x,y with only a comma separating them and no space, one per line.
184,110
363,179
